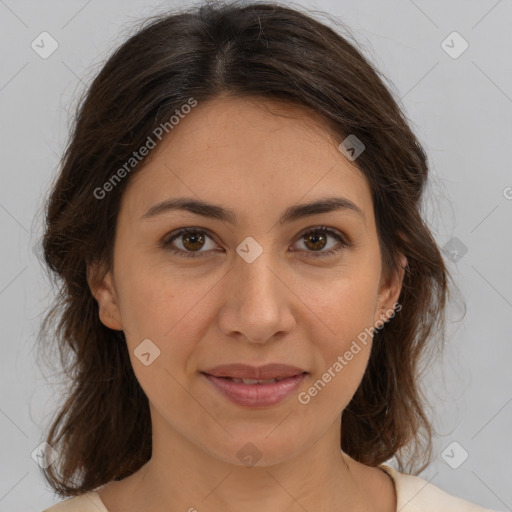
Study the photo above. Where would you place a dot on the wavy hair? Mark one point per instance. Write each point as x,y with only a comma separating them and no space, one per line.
102,429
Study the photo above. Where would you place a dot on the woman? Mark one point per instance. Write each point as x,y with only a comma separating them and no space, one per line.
248,287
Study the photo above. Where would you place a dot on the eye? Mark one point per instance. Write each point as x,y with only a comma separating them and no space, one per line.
191,239
314,240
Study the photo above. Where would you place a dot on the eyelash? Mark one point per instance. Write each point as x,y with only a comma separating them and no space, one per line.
343,243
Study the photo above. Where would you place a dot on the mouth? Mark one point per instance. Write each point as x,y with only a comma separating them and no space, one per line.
268,373
255,387
252,381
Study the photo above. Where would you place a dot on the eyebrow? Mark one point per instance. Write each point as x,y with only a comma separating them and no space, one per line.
217,212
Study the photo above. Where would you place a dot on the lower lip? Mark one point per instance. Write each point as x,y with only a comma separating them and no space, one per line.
256,395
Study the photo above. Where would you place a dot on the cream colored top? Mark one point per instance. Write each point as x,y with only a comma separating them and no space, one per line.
414,494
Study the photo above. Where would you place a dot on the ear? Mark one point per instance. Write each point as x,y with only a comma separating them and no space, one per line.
103,290
388,294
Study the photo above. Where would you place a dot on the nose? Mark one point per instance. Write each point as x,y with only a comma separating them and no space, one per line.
258,304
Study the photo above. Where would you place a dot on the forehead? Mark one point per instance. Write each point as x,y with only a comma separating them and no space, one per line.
248,151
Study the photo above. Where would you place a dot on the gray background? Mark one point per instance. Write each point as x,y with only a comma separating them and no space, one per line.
460,109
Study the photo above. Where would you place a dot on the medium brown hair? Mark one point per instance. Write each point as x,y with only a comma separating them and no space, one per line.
103,429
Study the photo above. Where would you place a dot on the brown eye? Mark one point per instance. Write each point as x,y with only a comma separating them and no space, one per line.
189,242
316,239
192,240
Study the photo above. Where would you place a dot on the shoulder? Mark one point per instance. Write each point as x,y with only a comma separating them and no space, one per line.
414,494
88,502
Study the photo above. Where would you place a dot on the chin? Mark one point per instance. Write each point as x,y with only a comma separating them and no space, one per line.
258,449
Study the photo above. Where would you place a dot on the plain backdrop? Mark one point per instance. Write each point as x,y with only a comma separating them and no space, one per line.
459,103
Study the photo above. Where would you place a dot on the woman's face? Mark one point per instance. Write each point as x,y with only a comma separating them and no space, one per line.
249,288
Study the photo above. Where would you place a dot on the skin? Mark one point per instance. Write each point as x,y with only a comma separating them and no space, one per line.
256,157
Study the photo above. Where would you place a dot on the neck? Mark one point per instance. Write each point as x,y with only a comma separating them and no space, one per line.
181,476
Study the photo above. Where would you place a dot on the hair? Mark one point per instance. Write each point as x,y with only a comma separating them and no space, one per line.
102,430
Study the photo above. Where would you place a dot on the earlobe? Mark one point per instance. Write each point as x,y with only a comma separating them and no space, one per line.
103,291
403,262
390,292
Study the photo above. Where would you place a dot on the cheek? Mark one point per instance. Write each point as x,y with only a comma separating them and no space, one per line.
341,357
146,305
340,324
169,310
159,326
153,297
342,307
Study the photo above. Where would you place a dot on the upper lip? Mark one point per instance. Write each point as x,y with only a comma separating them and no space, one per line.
245,371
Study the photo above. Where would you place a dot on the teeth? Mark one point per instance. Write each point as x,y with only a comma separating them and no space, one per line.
250,381
254,381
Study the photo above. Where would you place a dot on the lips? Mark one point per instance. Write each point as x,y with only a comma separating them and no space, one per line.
247,374
256,392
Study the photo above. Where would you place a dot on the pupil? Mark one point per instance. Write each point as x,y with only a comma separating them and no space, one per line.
195,239
316,238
